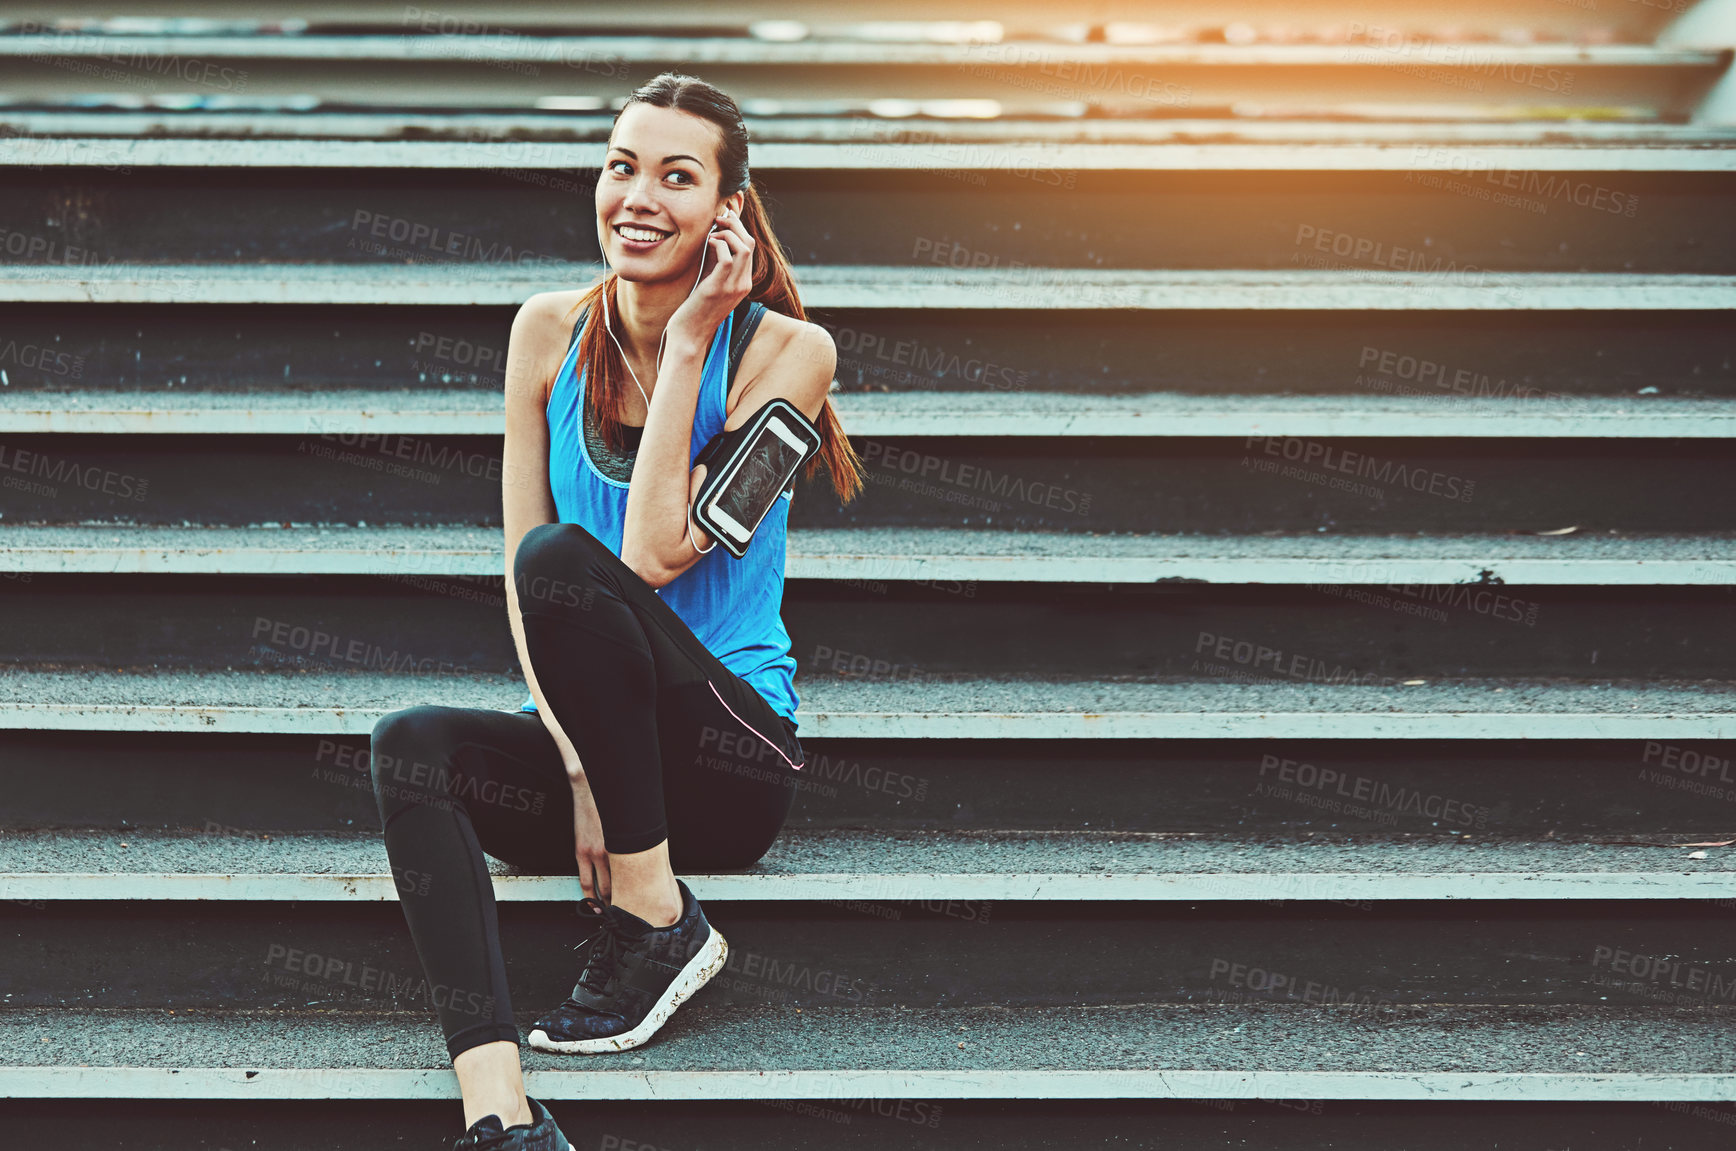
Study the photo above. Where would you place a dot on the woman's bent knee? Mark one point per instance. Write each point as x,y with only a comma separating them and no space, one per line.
556,566
404,750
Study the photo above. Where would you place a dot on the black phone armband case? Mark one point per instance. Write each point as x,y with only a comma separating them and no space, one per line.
749,467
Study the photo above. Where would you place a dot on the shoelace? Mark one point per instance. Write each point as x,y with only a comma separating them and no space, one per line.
608,943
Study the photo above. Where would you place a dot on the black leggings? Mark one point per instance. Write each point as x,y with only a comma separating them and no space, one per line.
674,746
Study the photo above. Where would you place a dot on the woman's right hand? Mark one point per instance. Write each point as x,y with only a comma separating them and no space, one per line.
592,858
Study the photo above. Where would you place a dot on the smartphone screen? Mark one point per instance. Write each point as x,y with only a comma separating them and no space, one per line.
746,496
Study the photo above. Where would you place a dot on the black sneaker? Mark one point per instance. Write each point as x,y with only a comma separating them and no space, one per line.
540,1134
635,978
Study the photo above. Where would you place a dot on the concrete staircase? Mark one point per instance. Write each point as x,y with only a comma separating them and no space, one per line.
1274,689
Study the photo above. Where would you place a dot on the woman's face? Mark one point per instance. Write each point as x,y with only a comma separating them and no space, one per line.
657,195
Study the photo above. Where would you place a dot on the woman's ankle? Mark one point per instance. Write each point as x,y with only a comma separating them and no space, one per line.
659,909
644,884
491,1082
509,1115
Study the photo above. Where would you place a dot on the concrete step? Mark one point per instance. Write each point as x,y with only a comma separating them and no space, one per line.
53,132
898,555
1425,79
1517,790
928,631
357,956
884,55
155,865
1458,211
364,418
918,21
1272,1051
870,1124
1441,285
1072,484
145,357
168,699
885,146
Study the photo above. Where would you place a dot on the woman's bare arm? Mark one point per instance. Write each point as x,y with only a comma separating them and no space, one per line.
534,352
526,501
654,528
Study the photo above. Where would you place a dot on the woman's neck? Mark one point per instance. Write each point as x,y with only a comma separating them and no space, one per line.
644,313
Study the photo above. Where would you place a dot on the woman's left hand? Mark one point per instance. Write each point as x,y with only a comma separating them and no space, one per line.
726,283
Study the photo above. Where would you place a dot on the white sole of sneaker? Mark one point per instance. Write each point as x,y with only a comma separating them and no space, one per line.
706,962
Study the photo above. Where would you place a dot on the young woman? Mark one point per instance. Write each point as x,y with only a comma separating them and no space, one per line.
661,731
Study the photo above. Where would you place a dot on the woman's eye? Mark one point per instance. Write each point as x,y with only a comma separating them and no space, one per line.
612,164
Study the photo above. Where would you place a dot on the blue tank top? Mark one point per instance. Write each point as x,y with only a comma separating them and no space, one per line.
732,605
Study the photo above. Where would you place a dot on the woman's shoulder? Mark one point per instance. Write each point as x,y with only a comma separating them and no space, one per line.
542,337
554,313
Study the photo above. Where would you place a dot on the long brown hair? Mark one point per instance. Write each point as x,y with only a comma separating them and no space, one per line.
773,284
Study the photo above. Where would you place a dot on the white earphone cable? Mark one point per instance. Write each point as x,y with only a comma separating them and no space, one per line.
658,362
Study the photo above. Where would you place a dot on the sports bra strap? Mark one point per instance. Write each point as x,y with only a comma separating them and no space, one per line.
747,317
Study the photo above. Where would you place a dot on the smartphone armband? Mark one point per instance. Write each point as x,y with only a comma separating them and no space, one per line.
749,467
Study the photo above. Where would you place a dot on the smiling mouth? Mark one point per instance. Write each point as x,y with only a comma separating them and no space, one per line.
640,234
